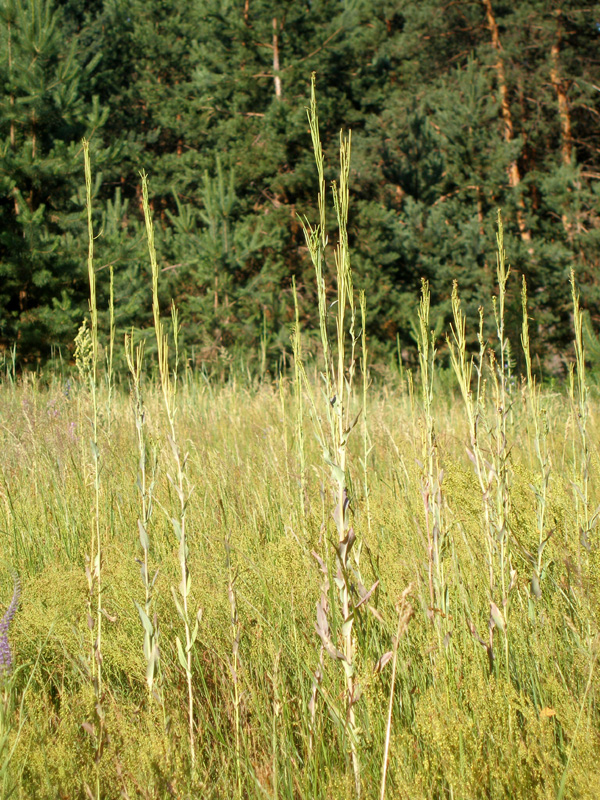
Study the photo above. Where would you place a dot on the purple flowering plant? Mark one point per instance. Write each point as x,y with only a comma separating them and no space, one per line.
8,694
6,660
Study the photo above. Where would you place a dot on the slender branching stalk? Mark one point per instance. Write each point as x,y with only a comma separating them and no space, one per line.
367,446
316,683
431,474
405,612
537,415
145,484
500,373
236,630
337,376
578,391
491,461
179,480
111,348
92,372
94,568
277,708
282,387
297,350
463,366
411,400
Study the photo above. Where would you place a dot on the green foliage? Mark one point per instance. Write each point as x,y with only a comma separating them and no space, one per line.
208,99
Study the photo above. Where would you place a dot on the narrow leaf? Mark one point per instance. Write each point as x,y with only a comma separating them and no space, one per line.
143,536
382,662
181,655
176,528
496,617
145,619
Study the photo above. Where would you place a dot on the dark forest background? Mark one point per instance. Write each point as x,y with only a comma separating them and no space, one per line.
456,109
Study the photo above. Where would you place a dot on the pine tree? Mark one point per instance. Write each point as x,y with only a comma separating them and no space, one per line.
455,110
42,118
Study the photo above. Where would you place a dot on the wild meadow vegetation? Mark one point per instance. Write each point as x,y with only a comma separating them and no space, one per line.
325,583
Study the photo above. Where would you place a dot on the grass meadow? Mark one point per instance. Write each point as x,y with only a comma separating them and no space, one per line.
311,586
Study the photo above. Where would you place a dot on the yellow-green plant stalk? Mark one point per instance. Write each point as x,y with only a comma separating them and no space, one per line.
145,483
431,478
298,399
179,482
94,569
341,201
299,403
337,377
491,460
317,237
282,387
578,391
411,399
236,631
405,613
498,445
277,707
111,346
342,427
90,259
91,374
367,446
538,417
474,404
500,375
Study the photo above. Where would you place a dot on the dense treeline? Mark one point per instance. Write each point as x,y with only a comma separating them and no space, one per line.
456,109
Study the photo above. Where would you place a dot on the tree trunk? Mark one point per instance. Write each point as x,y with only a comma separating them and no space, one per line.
566,146
566,149
514,175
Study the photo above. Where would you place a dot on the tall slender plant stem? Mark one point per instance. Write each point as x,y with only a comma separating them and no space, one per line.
297,350
111,345
580,412
169,392
542,455
235,662
135,359
426,363
338,378
341,430
500,376
365,427
95,577
404,614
